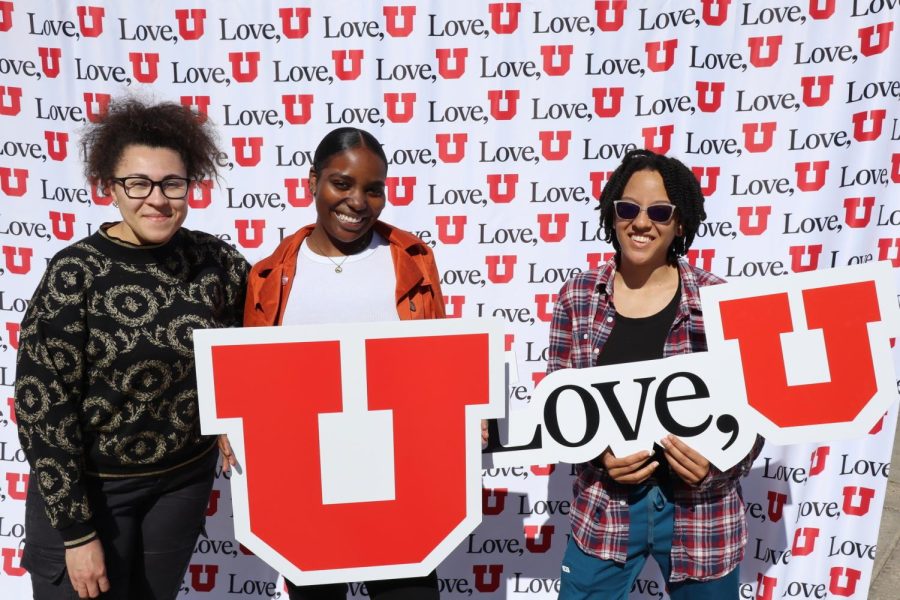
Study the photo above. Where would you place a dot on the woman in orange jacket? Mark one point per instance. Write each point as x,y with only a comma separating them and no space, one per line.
347,266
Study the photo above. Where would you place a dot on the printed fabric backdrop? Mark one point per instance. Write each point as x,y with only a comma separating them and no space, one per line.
502,121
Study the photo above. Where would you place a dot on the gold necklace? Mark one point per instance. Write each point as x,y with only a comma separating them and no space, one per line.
337,265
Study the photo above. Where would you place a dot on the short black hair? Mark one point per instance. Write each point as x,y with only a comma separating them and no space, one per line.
681,186
343,139
131,121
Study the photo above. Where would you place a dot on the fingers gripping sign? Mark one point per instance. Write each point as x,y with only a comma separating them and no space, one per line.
687,463
631,469
228,457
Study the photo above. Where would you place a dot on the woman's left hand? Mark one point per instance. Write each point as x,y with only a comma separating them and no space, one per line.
228,459
686,462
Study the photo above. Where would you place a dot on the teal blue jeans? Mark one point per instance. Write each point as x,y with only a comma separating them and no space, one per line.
652,517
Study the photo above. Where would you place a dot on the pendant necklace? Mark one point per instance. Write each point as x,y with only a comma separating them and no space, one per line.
337,265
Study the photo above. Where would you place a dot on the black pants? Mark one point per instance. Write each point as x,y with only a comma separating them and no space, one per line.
148,527
418,588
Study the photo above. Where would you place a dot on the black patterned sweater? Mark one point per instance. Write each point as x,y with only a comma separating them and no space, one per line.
105,380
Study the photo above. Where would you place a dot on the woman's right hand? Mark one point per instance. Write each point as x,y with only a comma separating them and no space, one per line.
629,469
228,458
87,569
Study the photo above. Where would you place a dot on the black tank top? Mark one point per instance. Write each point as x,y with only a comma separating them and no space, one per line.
642,338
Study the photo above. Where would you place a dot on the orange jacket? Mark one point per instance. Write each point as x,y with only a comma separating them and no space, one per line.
418,289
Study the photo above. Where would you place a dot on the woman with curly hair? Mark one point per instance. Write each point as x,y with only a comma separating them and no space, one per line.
106,393
644,304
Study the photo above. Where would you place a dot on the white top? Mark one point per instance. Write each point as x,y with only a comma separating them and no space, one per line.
362,292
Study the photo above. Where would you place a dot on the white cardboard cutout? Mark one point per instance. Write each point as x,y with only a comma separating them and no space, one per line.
810,350
725,388
720,368
354,418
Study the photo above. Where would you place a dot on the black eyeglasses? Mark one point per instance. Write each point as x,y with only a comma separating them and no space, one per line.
658,213
138,188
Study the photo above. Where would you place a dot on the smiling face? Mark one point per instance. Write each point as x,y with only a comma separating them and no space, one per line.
349,193
645,243
154,219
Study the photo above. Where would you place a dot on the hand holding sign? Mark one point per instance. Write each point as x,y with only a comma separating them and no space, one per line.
686,462
228,457
631,469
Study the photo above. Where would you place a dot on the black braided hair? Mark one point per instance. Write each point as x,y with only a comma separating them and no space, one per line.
681,186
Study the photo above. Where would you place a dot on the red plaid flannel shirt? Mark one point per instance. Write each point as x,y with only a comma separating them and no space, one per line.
710,527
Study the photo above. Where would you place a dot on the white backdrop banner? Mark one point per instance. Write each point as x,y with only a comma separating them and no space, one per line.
502,122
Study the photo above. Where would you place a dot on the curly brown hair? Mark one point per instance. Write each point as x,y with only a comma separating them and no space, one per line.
164,125
682,188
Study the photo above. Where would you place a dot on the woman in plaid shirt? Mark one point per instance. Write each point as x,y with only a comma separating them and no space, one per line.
643,305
